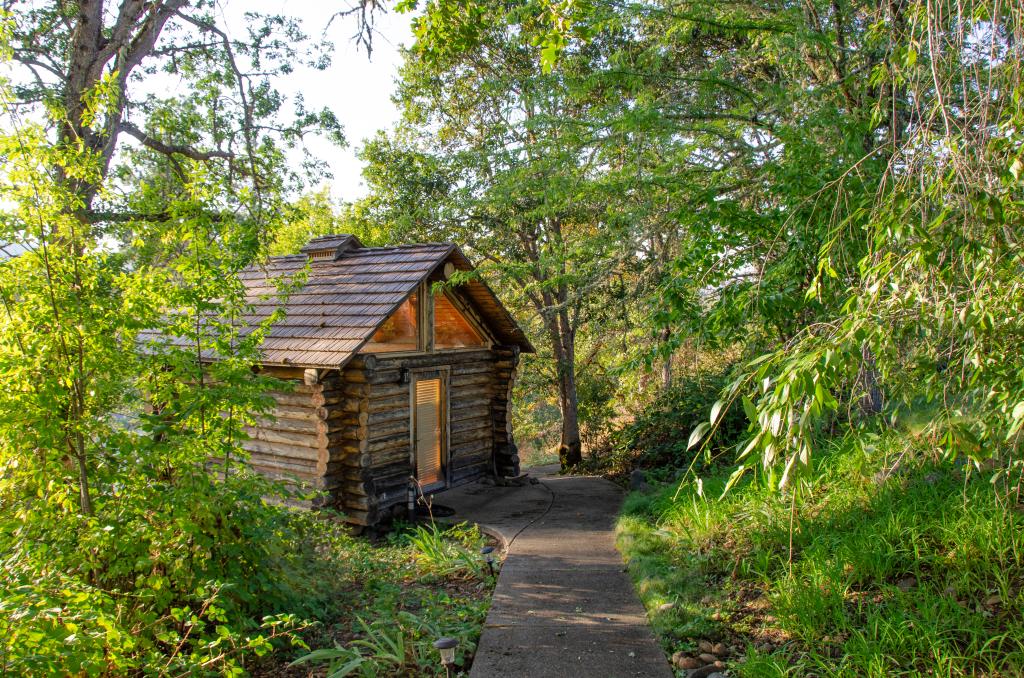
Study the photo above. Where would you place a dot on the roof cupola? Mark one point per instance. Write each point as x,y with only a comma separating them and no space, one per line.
331,247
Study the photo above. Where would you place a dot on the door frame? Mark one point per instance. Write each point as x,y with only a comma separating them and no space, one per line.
443,373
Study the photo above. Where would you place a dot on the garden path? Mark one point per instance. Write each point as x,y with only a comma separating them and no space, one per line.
563,605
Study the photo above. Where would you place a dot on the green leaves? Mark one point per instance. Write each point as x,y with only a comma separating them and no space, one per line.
128,546
716,411
698,434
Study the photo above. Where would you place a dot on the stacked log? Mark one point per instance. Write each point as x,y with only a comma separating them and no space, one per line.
506,454
348,433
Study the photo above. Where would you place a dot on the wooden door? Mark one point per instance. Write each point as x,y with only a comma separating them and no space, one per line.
428,427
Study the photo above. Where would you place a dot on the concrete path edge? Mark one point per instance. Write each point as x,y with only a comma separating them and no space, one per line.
563,604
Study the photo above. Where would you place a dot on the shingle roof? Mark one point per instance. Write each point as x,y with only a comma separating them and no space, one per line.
335,244
345,300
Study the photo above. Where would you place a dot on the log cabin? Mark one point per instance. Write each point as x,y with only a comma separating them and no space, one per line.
400,387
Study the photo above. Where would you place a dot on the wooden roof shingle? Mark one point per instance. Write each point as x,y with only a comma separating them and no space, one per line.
348,293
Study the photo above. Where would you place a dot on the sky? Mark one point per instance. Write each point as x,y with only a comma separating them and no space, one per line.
357,89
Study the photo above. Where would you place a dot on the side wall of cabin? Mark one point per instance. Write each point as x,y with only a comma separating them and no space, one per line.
312,435
479,382
347,434
506,454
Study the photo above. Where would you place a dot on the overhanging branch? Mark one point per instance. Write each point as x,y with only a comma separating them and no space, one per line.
172,149
109,217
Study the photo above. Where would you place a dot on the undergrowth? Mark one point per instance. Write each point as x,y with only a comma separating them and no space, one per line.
422,583
887,562
652,441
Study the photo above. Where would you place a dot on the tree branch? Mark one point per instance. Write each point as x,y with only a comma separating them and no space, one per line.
22,56
172,149
108,217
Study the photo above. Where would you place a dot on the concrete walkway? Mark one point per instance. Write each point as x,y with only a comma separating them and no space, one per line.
563,605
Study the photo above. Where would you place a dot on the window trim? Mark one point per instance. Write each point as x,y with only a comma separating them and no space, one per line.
425,318
443,373
467,313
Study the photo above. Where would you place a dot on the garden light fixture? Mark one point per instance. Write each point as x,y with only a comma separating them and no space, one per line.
446,647
487,552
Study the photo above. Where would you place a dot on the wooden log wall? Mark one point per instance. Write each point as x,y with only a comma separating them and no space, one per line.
470,433
317,431
347,434
506,454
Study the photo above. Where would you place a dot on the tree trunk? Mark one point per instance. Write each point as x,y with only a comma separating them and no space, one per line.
563,341
870,401
84,497
666,367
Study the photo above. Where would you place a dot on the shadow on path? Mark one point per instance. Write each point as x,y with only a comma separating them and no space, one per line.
563,605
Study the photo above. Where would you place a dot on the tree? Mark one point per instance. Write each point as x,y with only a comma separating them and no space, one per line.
128,205
84,87
310,216
797,144
836,222
501,157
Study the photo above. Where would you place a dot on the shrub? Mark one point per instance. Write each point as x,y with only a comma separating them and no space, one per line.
175,574
446,552
432,585
658,437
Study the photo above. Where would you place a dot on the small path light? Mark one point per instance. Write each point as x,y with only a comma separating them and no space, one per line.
488,553
446,647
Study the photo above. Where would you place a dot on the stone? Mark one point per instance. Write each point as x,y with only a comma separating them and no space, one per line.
638,481
703,672
718,648
705,646
906,583
707,658
683,661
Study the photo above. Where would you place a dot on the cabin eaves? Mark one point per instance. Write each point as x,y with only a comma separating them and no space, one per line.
348,293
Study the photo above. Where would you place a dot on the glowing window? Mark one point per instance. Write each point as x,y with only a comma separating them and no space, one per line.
400,332
451,329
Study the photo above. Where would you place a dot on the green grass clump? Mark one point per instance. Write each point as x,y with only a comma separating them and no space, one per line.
423,582
894,565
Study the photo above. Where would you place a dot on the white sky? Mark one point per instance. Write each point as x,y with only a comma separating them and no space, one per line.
358,90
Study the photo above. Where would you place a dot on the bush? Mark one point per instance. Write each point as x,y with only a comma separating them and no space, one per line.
424,583
170,575
447,552
658,438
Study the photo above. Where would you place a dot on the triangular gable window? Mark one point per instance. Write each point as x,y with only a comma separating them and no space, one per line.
451,328
400,332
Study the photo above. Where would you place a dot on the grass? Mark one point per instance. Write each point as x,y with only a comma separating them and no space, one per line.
537,454
399,596
915,572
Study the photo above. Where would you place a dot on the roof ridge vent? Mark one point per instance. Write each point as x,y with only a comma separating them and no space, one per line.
331,247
